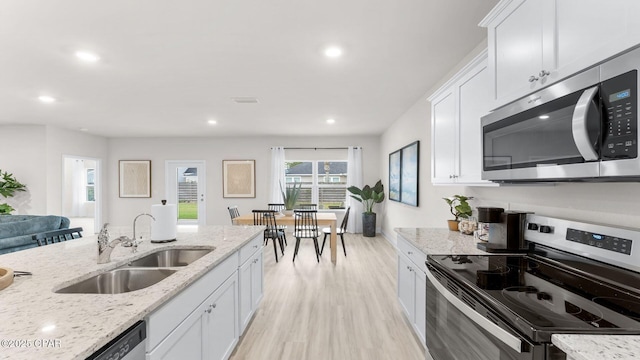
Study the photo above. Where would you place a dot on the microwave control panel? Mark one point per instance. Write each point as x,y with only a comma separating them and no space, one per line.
620,102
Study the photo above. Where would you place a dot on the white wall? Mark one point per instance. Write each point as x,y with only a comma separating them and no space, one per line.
213,151
609,203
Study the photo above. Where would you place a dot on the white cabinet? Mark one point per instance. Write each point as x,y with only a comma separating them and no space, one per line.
250,275
412,286
456,139
533,43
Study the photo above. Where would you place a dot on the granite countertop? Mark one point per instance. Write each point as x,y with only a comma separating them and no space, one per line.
577,347
36,323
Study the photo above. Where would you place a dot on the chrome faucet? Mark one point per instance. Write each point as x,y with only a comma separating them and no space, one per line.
134,224
105,247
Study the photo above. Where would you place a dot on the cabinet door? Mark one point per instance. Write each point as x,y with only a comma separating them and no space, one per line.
186,341
443,138
420,324
474,103
222,330
590,31
257,273
244,294
406,286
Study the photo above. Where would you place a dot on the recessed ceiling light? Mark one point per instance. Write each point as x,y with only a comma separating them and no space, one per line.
212,122
333,52
84,129
331,121
46,99
87,56
543,117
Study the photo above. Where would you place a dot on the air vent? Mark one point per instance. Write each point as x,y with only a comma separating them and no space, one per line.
468,300
244,100
492,317
453,288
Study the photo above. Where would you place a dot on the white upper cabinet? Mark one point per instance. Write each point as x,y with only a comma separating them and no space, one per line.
456,139
534,43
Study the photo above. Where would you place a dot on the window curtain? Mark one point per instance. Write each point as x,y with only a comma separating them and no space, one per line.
277,174
354,178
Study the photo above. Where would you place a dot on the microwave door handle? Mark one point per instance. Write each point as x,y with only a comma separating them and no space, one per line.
579,125
507,338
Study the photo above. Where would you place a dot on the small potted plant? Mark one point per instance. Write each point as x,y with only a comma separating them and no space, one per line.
459,208
290,195
8,186
368,196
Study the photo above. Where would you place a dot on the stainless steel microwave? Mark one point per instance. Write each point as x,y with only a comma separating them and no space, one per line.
584,128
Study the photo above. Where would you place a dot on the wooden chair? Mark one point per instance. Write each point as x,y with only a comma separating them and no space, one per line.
339,231
278,208
307,206
268,218
233,212
55,236
306,226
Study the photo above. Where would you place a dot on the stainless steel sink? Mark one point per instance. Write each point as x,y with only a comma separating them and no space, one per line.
118,281
170,258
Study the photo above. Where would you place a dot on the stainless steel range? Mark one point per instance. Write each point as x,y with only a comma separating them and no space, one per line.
576,278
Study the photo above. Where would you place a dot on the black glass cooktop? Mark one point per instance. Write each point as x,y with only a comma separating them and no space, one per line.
549,292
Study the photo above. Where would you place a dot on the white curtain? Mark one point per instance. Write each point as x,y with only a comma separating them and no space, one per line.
354,178
277,174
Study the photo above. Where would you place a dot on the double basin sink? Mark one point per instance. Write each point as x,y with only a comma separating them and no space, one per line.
137,274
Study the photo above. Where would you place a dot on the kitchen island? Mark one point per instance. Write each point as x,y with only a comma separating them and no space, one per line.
37,323
577,346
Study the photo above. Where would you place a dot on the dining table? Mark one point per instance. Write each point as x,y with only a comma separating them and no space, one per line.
326,219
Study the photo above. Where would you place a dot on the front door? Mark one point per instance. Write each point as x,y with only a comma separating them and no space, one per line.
185,186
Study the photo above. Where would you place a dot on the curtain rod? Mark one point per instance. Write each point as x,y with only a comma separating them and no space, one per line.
320,148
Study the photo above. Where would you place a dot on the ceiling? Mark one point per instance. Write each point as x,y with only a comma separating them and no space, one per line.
167,67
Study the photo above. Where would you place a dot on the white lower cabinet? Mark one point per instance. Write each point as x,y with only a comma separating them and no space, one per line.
205,320
412,286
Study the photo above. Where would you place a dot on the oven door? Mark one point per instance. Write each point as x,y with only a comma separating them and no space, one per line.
554,134
461,328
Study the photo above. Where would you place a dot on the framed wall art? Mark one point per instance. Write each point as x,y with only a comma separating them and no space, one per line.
404,174
239,178
135,178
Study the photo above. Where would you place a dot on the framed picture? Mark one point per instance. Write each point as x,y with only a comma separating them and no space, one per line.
239,178
403,174
409,174
394,175
135,178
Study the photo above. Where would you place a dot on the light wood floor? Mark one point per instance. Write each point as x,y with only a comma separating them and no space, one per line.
326,312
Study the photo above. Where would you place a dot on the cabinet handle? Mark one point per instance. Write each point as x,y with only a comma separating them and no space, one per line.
533,78
544,73
208,311
409,252
255,246
213,306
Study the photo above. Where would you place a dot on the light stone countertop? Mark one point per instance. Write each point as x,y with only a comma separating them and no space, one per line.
577,347
79,324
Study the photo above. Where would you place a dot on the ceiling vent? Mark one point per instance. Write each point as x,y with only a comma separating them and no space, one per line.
244,100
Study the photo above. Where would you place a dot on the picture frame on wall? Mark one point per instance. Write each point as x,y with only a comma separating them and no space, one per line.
238,178
404,168
134,178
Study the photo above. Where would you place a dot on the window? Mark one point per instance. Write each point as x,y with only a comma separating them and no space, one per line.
91,185
323,182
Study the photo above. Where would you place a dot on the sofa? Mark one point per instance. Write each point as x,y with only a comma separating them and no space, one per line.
16,231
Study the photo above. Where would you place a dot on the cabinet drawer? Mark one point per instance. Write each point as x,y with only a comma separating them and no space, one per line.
162,321
410,251
250,248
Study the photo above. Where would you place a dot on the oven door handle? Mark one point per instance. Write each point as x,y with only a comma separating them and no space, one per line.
579,125
507,338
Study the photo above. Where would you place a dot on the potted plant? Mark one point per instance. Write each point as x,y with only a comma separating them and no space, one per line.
8,186
290,195
459,208
368,196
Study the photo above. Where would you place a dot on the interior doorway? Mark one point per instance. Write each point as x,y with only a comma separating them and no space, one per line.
81,195
185,183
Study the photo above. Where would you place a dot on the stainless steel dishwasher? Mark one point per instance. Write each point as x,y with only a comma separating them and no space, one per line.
130,345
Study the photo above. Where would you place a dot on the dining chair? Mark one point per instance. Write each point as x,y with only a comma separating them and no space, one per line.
339,231
278,208
51,237
305,225
307,206
233,212
268,218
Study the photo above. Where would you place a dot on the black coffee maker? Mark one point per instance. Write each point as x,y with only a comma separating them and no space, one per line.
506,230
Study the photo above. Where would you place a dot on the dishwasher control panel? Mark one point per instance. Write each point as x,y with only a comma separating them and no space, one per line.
122,345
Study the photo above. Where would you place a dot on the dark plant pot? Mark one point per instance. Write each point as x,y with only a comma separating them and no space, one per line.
369,224
453,225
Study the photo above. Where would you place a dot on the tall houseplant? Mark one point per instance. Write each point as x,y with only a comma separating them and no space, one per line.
459,208
8,187
290,195
368,196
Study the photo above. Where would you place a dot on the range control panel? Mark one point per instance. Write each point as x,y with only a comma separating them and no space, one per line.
606,242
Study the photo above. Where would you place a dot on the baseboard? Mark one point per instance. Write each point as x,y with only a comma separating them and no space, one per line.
384,235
